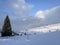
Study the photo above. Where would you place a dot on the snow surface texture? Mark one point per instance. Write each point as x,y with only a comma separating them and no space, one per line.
36,38
46,29
52,38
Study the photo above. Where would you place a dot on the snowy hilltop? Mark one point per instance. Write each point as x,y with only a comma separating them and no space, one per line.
52,38
37,36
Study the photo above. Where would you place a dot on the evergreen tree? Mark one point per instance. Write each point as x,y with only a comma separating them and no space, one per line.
6,29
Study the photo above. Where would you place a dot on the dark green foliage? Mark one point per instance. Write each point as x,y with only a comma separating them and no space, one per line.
6,29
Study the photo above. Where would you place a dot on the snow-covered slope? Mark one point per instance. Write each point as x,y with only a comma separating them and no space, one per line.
48,37
46,29
52,38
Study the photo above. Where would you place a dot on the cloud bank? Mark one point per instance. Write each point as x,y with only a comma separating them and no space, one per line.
50,15
18,11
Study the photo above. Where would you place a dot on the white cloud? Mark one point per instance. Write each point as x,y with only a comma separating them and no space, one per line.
16,9
44,13
40,14
50,16
20,7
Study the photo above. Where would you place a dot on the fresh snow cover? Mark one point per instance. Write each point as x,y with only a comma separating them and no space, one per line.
35,37
52,38
46,29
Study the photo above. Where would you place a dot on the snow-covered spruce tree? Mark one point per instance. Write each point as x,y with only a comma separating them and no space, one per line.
6,29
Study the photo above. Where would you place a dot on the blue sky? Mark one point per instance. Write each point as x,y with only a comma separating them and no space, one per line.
43,4
37,5
30,13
